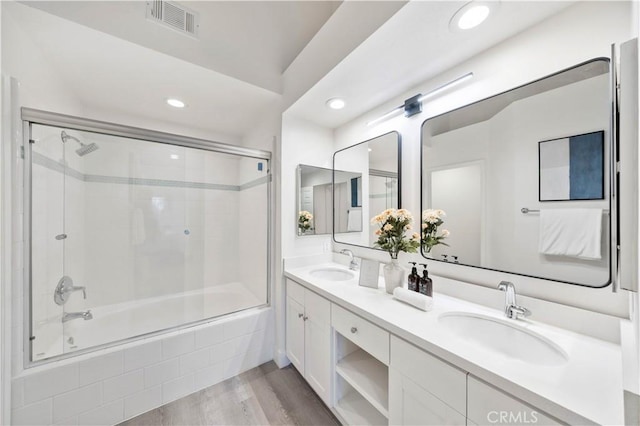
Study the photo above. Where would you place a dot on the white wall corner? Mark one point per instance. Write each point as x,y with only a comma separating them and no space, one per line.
350,25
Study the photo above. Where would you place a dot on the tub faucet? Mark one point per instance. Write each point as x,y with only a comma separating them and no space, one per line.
511,308
86,315
353,265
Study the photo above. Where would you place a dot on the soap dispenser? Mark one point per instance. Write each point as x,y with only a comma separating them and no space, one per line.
414,278
425,284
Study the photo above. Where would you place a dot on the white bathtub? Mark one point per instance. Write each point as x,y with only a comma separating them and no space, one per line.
112,323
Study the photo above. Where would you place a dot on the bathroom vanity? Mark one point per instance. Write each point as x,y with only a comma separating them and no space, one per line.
375,360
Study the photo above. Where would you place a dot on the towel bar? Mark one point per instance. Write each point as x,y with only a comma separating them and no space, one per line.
526,210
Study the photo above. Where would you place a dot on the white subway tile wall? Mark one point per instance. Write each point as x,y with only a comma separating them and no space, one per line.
107,388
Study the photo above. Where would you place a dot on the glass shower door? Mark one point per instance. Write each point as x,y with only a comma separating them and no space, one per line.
131,237
47,240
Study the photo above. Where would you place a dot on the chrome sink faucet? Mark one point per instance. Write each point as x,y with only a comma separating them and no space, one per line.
86,315
511,308
353,265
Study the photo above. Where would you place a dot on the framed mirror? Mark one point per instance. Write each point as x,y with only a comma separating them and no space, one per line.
522,180
314,207
376,165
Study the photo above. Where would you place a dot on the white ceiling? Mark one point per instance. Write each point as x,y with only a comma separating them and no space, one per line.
413,46
253,41
117,60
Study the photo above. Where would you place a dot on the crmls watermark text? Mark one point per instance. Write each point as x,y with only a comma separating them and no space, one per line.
512,417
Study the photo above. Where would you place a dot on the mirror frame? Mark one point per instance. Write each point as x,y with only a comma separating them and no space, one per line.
333,165
612,176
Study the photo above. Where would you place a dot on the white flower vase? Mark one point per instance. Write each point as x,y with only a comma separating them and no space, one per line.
393,275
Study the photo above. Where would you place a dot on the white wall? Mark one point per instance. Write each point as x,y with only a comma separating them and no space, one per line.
532,54
302,143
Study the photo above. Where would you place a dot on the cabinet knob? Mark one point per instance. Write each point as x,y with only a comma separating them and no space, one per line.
354,330
305,318
300,315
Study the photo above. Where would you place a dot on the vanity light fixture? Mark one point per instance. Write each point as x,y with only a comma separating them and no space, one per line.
336,103
471,15
176,103
413,105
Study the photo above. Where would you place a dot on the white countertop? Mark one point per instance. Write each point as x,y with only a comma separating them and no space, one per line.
586,389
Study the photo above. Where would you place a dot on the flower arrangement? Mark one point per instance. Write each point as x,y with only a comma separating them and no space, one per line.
392,226
304,221
431,221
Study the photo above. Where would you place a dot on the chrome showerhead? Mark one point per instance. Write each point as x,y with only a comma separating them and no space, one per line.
84,149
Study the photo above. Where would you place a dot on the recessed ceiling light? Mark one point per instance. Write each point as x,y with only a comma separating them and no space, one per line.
471,15
176,103
336,103
174,156
370,150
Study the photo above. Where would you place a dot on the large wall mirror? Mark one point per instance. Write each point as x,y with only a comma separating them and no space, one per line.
315,200
487,164
376,164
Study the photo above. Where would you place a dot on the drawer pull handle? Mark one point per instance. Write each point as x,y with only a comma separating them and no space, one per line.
305,318
300,315
354,330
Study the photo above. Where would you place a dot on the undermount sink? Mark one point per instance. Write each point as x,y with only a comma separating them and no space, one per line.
504,337
332,274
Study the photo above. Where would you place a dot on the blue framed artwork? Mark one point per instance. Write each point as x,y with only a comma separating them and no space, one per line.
572,168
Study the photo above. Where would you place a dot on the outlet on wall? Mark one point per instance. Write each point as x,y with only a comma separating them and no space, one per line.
326,247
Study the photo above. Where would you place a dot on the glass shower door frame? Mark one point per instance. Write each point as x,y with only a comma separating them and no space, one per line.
32,116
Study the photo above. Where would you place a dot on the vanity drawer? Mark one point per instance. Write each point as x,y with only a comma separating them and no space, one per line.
295,291
369,337
443,380
487,405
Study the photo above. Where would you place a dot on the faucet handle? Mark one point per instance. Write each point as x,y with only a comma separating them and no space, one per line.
519,311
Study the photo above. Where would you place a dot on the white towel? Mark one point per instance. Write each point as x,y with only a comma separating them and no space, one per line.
571,232
354,220
414,298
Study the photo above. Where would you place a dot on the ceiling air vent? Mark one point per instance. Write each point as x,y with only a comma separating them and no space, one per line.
173,16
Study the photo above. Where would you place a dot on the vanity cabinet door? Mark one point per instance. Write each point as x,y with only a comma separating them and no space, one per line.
308,333
410,404
317,348
490,406
295,333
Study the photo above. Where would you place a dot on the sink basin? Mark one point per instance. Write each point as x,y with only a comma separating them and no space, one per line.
504,337
332,274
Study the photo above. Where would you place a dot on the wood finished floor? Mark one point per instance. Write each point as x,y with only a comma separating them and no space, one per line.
264,395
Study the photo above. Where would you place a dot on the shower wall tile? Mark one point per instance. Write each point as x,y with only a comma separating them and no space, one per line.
162,372
194,361
40,413
71,421
247,325
54,396
209,376
109,414
143,355
211,335
142,402
17,393
50,382
178,345
100,368
124,385
77,401
178,388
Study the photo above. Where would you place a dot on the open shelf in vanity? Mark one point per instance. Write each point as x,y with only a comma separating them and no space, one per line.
361,372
